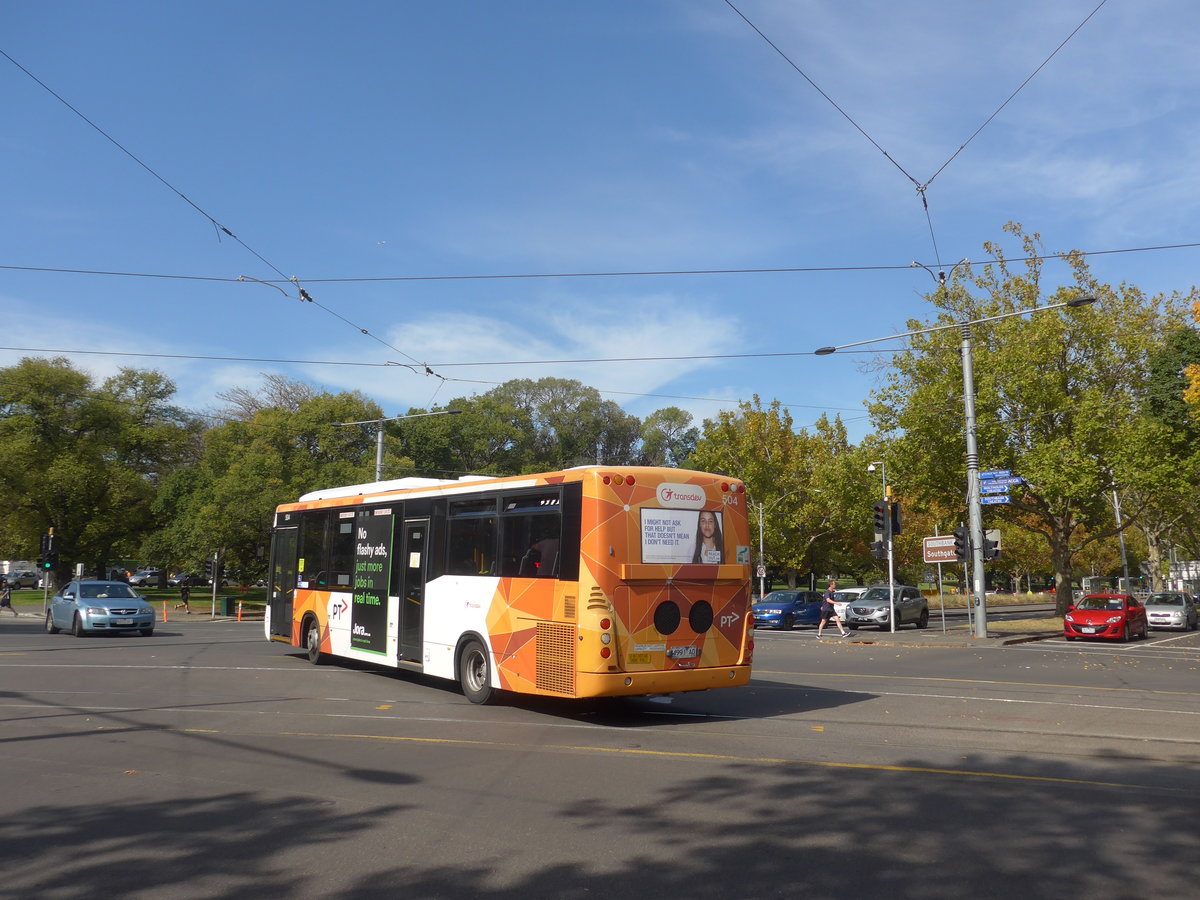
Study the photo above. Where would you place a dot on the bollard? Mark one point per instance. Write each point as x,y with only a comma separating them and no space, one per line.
239,611
164,610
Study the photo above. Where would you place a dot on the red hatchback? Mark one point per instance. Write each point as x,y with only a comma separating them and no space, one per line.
1117,617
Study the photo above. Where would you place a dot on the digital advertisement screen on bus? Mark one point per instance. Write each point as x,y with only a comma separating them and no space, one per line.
681,537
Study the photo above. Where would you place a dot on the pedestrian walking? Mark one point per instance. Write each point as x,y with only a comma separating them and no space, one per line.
6,598
185,594
827,611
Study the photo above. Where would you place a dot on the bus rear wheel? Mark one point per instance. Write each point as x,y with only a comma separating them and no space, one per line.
474,673
312,643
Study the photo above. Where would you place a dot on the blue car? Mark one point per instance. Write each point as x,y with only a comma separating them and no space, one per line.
786,609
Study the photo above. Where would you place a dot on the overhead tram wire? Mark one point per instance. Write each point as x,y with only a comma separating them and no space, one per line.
778,270
316,362
304,296
922,188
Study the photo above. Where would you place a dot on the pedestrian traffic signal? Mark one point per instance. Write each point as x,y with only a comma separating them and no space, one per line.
894,516
991,549
879,549
881,517
962,544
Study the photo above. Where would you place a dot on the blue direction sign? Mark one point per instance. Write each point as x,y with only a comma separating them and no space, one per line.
1005,482
994,498
996,473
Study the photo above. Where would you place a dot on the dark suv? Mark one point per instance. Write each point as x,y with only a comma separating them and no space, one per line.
874,607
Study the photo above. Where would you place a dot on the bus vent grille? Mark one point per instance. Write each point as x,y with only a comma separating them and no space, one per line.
569,606
556,658
597,600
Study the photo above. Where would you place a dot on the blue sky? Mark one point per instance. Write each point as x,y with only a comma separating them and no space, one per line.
367,140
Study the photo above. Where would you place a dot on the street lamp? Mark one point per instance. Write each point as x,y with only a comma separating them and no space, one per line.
887,542
974,506
379,432
762,559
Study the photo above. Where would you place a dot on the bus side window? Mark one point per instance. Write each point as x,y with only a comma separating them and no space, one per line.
472,538
341,550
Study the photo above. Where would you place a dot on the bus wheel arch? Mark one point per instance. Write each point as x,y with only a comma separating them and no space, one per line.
474,668
311,630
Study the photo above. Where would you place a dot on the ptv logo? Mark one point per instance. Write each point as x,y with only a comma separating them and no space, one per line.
728,620
339,607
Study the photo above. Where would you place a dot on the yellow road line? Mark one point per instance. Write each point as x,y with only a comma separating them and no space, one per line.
721,757
1061,687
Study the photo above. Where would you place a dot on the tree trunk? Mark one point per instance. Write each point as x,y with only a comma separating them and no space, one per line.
1060,553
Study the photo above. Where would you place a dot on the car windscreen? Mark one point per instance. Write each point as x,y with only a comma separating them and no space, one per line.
877,594
100,591
1165,600
779,597
1101,603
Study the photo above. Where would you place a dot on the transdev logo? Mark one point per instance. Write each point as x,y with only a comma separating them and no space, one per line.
681,496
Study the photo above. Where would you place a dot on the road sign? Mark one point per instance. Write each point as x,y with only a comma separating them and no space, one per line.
1001,482
939,549
762,571
993,499
991,487
996,473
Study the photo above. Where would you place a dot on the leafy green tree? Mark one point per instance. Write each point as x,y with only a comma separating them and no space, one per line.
249,467
85,460
668,437
1058,397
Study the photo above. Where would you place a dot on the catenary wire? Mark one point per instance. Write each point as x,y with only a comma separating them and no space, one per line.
778,270
304,296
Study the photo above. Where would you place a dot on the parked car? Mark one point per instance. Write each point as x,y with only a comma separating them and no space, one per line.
194,580
1171,609
96,606
843,597
21,579
145,577
785,609
1116,617
874,607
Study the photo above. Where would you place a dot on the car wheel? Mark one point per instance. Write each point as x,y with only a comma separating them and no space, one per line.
923,622
146,632
788,623
77,628
312,643
1069,637
1126,635
51,628
474,673
852,626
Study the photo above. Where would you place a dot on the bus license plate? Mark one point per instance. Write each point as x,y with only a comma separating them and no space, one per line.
683,652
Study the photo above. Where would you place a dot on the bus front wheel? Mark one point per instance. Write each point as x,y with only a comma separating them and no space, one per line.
474,673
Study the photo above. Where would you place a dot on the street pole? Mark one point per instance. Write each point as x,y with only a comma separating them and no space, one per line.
762,560
974,506
1121,539
379,432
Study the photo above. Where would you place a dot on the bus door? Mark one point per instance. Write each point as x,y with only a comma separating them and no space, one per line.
281,591
412,587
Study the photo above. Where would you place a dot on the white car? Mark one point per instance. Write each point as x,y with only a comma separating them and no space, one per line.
843,597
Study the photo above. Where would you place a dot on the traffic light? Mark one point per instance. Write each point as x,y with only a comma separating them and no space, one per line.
208,569
879,549
962,544
881,517
894,516
50,560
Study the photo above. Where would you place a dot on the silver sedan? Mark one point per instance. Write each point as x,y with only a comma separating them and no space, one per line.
87,607
1171,609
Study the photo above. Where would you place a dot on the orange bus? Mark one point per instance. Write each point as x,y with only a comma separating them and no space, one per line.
596,581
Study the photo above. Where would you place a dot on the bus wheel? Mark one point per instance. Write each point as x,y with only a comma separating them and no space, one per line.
474,673
312,643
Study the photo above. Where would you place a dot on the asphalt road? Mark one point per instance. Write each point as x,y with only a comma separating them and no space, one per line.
207,762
